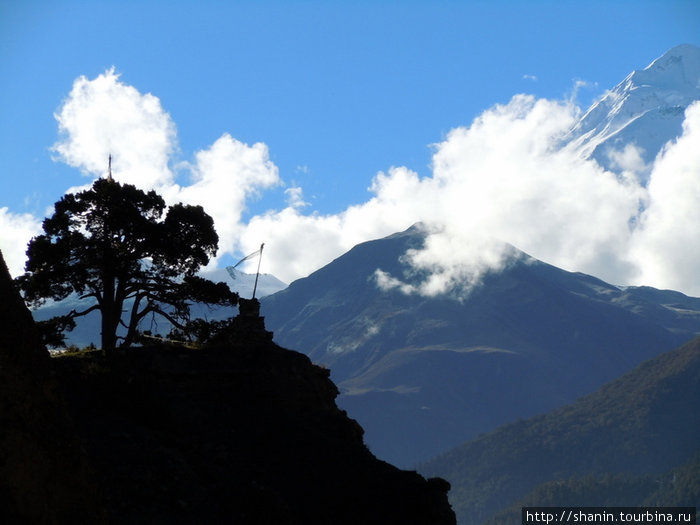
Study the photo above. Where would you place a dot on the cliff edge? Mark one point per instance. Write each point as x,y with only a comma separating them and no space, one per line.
244,433
44,473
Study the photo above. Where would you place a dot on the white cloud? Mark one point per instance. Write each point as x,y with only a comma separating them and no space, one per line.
104,116
667,241
629,162
225,176
15,232
297,243
580,84
506,178
295,197
503,180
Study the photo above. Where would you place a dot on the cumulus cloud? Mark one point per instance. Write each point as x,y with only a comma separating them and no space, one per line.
449,263
505,177
506,180
299,243
629,162
295,197
224,177
15,232
104,116
666,242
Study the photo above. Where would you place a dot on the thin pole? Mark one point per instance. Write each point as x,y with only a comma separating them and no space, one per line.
255,286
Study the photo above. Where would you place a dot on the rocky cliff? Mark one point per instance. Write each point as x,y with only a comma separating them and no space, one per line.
244,433
44,474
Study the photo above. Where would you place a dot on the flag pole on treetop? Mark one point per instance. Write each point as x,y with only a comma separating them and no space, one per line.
247,257
255,286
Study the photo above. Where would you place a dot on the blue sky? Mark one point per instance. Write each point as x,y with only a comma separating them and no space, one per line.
336,91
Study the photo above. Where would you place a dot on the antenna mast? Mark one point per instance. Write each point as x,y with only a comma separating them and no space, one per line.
109,174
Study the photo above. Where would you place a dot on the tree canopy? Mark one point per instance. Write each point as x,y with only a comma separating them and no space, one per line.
127,254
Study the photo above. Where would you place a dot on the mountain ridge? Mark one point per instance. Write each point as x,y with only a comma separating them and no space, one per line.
644,422
420,373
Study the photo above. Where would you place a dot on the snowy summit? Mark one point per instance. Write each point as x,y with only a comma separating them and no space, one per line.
643,110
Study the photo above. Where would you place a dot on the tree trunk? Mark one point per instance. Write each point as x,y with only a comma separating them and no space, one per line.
134,319
110,317
109,330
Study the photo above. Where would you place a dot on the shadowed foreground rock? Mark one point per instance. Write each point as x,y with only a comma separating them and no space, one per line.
44,477
248,434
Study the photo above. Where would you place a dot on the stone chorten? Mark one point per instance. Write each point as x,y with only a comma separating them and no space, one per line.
249,326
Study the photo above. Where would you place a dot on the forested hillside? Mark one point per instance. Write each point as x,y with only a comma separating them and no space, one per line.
625,441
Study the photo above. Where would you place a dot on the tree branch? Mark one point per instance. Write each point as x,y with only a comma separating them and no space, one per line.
74,314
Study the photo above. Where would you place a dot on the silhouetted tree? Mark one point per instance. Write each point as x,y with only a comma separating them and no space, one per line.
119,246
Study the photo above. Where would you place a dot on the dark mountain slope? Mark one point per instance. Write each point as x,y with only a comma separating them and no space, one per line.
422,375
645,422
338,299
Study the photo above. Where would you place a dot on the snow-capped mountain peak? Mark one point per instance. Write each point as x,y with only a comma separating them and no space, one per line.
243,283
643,110
677,70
